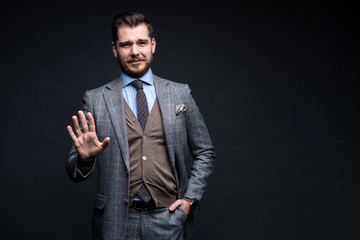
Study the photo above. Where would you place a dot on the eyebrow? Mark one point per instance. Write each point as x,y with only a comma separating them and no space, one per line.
139,40
123,43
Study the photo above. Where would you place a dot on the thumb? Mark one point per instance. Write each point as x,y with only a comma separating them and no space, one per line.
175,205
105,143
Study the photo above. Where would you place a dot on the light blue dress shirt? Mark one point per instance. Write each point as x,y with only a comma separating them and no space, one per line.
129,91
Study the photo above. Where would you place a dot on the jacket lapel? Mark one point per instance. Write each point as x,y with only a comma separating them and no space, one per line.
115,105
167,113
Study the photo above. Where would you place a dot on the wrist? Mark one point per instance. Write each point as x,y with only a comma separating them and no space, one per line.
85,162
192,203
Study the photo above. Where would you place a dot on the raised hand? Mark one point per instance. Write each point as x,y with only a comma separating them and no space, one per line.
85,139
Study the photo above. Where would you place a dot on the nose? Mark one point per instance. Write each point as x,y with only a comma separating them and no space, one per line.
134,50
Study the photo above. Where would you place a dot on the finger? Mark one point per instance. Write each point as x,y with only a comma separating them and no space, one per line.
76,125
84,126
71,133
91,122
105,143
175,205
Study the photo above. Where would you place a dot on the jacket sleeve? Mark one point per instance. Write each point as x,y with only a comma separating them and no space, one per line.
80,170
201,148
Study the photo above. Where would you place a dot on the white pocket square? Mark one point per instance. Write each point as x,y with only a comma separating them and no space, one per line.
179,109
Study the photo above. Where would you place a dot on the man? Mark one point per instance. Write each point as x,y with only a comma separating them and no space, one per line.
148,125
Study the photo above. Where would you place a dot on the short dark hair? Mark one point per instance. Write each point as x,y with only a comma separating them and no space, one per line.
130,19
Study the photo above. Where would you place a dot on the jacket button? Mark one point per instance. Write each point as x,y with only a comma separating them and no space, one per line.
144,158
126,201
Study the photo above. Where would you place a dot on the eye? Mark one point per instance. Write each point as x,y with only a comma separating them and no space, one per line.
124,45
142,43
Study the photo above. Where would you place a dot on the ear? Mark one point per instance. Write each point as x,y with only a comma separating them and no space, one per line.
153,45
114,49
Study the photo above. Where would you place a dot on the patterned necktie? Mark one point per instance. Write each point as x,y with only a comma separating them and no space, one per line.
143,114
142,106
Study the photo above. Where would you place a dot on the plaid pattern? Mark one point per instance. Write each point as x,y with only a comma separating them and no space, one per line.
184,132
158,224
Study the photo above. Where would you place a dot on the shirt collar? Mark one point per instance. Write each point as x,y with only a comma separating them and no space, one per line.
126,79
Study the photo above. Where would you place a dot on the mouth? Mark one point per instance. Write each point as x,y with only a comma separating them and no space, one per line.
135,62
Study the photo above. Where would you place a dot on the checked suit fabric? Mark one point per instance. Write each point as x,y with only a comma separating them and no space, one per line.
143,114
184,132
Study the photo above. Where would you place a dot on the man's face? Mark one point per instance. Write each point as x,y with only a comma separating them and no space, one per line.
134,50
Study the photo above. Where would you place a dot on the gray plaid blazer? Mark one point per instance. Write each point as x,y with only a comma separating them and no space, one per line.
183,132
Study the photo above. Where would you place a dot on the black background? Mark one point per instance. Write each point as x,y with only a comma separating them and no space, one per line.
276,84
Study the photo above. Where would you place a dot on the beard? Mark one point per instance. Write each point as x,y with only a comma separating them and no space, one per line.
136,71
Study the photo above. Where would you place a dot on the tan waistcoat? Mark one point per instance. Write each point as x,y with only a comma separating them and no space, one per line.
149,161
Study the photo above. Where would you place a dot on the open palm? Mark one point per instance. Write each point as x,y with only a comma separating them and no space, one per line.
85,139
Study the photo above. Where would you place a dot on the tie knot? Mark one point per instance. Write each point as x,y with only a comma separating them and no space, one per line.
138,84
